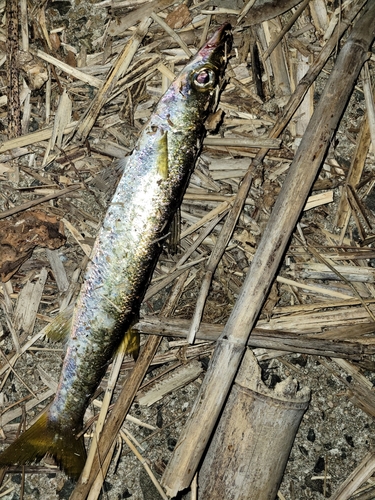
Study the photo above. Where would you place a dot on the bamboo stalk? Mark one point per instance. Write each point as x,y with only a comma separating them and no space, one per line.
257,422
369,98
315,68
116,366
97,487
172,34
145,465
117,416
254,142
33,203
285,29
272,338
230,347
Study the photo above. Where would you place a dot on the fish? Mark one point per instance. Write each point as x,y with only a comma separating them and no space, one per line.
125,254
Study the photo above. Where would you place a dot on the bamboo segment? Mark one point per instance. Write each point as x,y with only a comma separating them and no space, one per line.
301,175
257,422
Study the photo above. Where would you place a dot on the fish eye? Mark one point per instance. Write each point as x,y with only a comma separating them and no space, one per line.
204,79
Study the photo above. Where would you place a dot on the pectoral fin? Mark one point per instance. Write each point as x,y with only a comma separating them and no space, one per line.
162,161
59,328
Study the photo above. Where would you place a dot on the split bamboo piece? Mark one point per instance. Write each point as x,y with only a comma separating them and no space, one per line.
218,252
115,370
315,68
277,57
28,303
80,75
178,377
58,270
230,347
31,138
117,416
260,424
254,142
285,29
360,474
117,27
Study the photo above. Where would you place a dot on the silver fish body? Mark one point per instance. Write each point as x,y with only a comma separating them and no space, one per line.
126,251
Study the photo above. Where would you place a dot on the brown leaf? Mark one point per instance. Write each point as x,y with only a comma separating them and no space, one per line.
20,234
178,17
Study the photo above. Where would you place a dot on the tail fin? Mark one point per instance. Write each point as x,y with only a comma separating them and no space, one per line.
45,437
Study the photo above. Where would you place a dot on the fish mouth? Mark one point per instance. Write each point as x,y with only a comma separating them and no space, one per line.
222,35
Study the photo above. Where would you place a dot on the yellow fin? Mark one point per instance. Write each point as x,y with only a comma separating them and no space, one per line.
130,343
59,328
45,436
162,162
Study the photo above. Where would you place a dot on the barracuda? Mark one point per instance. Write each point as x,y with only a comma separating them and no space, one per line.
125,253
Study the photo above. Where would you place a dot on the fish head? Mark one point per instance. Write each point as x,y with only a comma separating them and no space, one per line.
201,77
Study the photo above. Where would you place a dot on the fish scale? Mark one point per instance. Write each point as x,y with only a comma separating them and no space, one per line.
125,254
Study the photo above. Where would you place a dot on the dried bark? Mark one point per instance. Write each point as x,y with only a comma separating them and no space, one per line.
21,234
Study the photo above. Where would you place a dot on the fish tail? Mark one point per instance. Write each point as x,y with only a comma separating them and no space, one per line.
43,437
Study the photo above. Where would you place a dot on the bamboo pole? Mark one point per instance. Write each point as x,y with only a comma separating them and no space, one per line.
301,175
257,422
